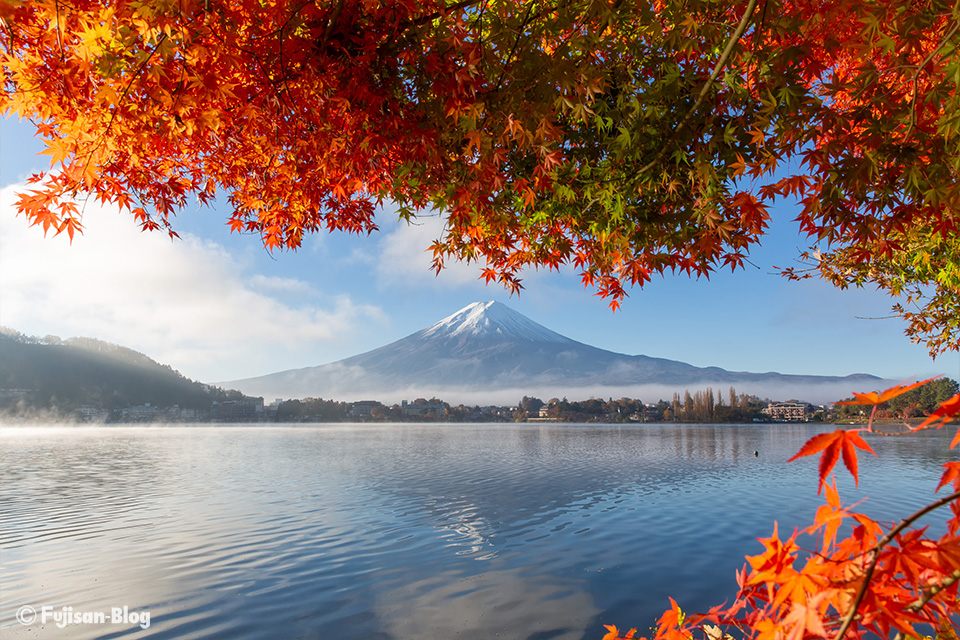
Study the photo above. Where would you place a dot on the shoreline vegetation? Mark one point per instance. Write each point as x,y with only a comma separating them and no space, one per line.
704,406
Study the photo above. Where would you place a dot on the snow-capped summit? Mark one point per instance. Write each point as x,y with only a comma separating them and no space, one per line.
494,319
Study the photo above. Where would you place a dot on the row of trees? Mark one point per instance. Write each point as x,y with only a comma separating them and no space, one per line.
591,410
418,410
700,406
313,410
703,406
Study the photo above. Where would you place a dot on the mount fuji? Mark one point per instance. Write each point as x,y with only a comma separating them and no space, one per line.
487,351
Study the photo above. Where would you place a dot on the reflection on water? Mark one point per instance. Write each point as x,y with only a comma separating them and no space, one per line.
405,531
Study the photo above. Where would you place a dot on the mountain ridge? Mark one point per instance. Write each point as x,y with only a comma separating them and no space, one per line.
55,378
487,347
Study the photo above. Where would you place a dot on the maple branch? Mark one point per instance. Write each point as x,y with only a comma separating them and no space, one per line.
747,14
331,22
183,65
932,592
929,595
894,434
123,95
513,49
133,77
763,23
268,76
56,6
422,20
574,30
293,14
875,553
283,61
916,76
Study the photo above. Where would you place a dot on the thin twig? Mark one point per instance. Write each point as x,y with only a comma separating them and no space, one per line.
513,49
916,76
56,6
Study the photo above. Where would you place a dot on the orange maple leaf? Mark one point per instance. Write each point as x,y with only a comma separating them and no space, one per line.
829,516
875,398
774,563
947,410
806,618
842,442
614,634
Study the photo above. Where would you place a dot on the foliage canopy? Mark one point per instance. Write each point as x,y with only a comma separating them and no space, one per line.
627,139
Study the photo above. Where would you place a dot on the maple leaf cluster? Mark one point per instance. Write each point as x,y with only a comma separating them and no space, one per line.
626,139
886,582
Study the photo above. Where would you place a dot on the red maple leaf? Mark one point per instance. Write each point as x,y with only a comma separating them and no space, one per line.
952,473
842,442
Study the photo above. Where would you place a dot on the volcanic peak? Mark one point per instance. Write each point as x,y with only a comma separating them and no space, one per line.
485,319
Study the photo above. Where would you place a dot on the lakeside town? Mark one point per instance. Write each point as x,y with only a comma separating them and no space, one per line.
692,408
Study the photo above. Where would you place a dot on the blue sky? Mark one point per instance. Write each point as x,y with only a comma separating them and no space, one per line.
216,306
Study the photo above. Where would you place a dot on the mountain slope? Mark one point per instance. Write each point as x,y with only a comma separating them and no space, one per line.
488,347
50,374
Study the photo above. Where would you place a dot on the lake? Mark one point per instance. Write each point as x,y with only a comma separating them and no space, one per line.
343,532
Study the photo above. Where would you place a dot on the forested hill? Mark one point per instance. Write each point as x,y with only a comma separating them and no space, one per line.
63,376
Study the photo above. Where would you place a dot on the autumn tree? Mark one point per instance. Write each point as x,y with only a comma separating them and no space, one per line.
530,406
689,413
626,139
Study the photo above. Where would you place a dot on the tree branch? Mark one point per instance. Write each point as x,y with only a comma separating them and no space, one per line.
120,99
331,23
513,49
916,76
744,21
928,595
422,20
932,592
875,553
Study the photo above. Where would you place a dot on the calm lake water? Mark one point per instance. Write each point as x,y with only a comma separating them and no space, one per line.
402,532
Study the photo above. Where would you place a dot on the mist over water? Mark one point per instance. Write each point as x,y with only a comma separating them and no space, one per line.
406,531
823,393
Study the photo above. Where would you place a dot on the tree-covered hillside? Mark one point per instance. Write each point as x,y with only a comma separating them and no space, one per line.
62,376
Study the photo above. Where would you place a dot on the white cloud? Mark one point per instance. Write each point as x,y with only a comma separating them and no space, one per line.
405,259
278,285
187,303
